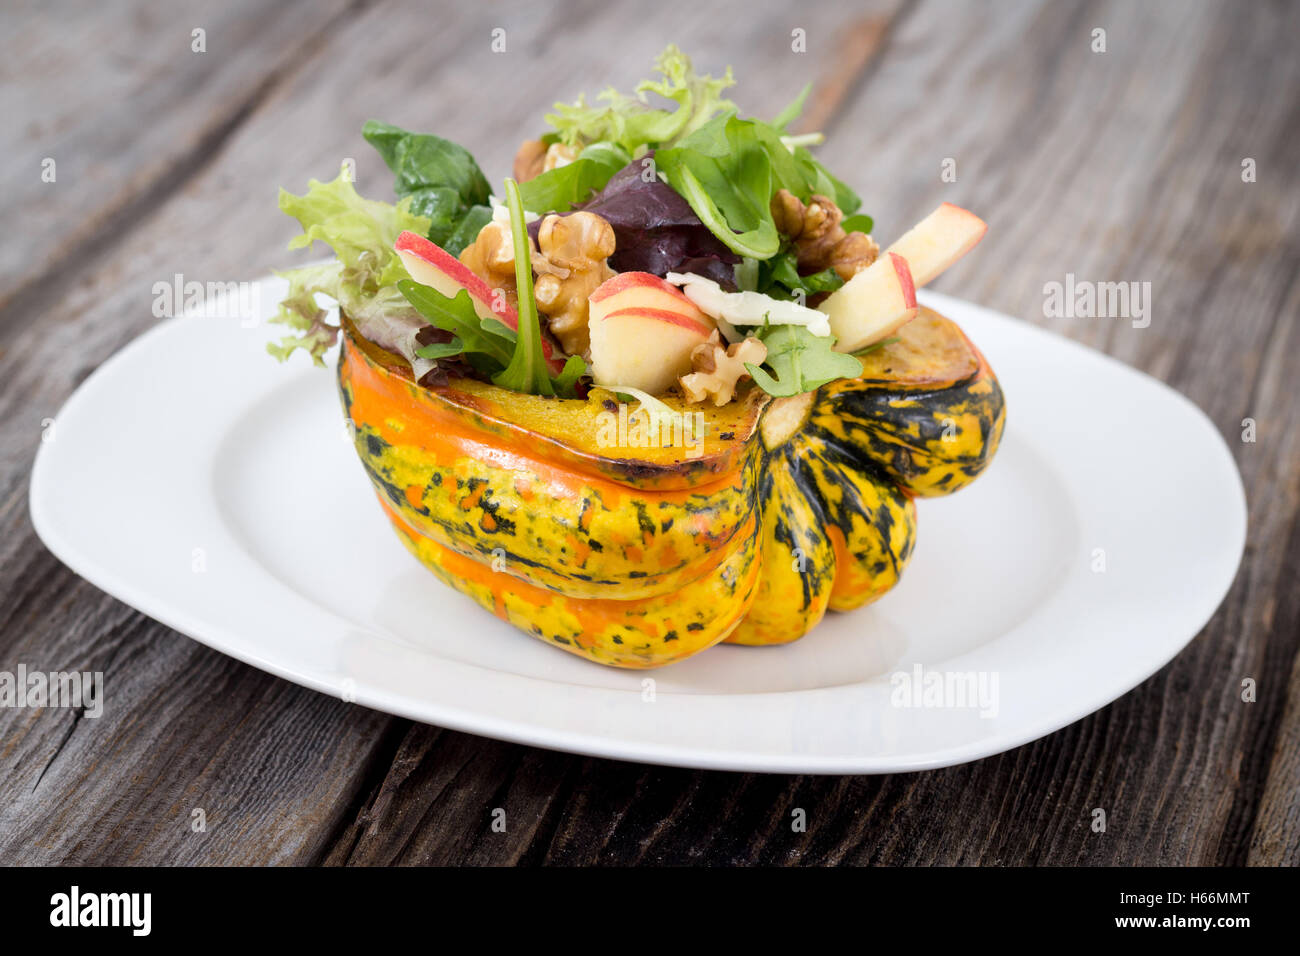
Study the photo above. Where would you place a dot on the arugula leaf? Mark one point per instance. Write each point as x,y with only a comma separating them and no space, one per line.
802,361
566,383
442,179
457,316
512,359
527,371
630,121
500,330
792,110
782,271
439,350
867,350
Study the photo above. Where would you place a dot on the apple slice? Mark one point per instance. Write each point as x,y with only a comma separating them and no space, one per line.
429,264
873,305
640,289
643,331
939,240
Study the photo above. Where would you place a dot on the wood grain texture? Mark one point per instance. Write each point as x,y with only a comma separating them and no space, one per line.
1122,165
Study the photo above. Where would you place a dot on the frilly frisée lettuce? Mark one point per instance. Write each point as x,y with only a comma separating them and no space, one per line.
363,277
631,122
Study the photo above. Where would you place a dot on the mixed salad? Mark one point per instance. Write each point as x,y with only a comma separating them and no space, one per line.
647,249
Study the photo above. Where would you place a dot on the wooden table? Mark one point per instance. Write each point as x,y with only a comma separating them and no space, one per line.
1125,164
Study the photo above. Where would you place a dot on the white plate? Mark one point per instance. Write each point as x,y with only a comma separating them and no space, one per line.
216,490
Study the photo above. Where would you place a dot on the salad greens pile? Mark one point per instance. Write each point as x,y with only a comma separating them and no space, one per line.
687,187
512,359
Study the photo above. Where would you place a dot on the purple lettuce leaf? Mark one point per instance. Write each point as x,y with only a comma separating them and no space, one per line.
655,229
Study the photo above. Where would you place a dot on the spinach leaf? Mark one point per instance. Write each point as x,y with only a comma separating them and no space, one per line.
442,179
729,169
725,174
458,317
467,230
562,188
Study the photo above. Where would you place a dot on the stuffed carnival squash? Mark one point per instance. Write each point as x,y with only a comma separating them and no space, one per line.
805,504
687,400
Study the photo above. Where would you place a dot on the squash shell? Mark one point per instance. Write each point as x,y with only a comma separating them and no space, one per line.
641,560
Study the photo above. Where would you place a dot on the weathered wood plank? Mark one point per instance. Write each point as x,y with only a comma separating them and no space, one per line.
126,102
1122,165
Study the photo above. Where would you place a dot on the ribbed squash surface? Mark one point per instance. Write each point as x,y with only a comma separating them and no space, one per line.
641,557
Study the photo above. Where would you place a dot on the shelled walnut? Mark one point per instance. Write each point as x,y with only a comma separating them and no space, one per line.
719,368
491,257
820,241
568,260
577,246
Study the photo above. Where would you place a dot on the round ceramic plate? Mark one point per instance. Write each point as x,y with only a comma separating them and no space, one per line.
227,503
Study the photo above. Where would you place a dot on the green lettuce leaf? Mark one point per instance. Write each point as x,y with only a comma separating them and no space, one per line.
631,122
562,188
362,279
301,312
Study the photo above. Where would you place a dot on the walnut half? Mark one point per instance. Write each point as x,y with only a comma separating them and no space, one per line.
576,246
820,241
718,369
491,257
569,261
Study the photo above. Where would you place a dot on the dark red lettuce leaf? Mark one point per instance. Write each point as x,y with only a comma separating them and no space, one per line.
655,229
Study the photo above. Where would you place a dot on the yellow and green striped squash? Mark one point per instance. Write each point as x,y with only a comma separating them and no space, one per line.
641,556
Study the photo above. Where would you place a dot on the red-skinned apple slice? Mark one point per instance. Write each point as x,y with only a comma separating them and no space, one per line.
642,289
939,240
431,265
642,332
873,305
